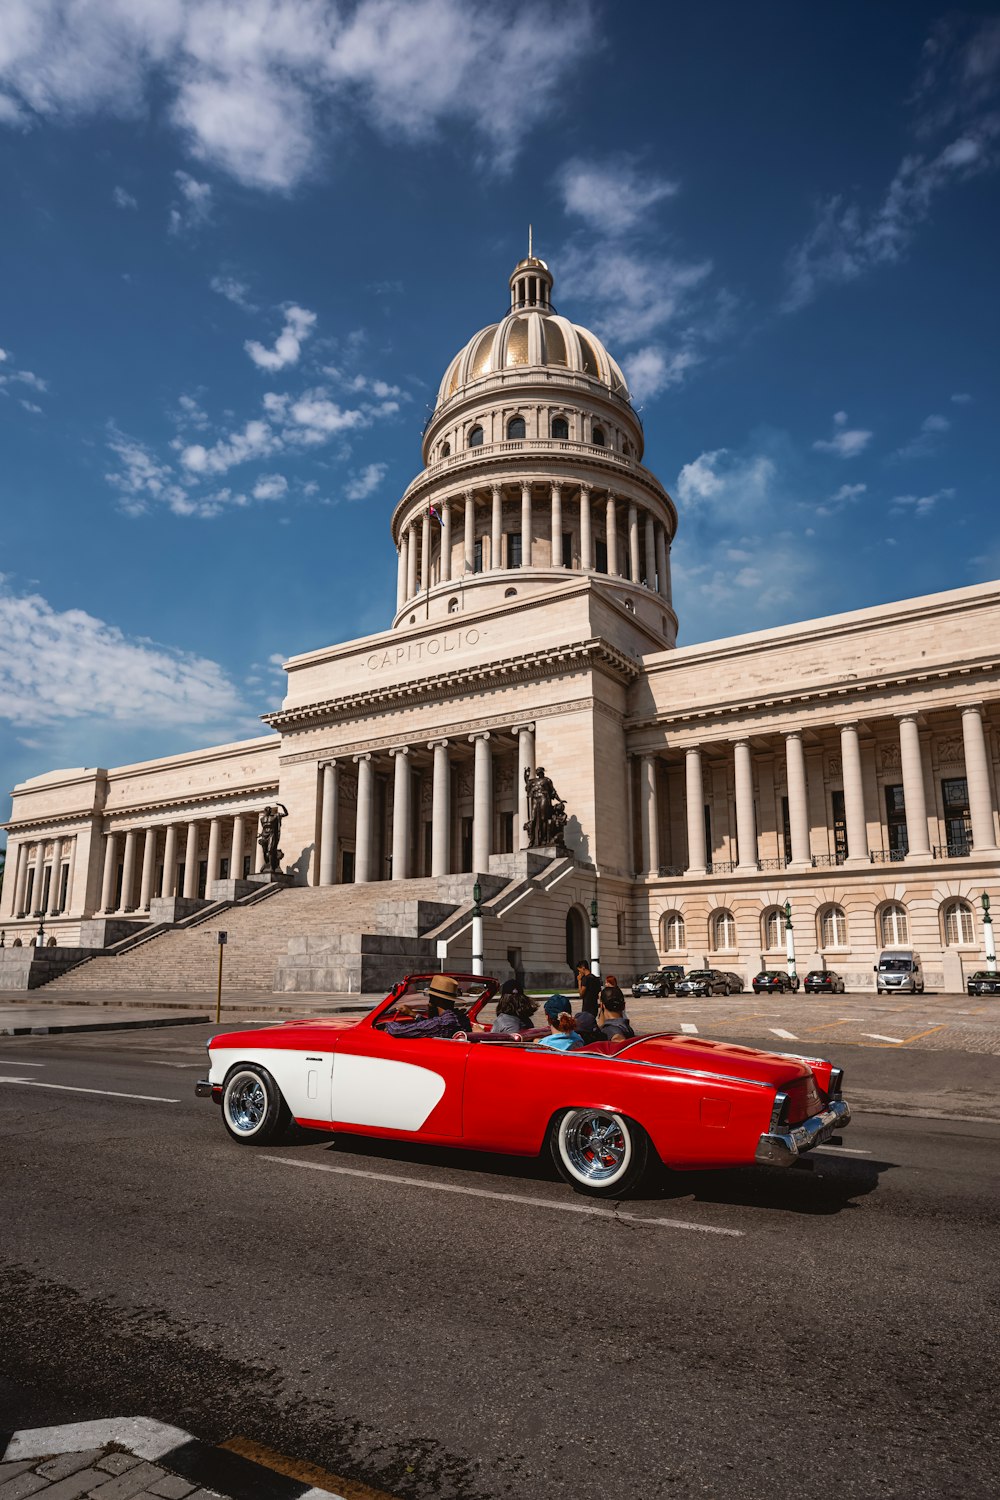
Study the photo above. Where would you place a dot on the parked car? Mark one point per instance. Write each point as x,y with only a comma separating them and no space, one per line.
672,974
605,1112
650,984
899,969
704,982
770,981
823,982
982,982
736,984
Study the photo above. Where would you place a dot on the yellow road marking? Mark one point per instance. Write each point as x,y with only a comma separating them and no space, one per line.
829,1025
298,1468
919,1034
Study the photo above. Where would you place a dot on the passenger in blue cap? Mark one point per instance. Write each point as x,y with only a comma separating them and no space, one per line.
562,1036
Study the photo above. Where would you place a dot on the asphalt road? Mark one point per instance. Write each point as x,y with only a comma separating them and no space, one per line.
494,1341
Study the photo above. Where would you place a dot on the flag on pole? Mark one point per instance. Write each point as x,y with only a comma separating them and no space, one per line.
432,511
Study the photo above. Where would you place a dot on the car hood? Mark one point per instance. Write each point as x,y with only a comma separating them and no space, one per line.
724,1058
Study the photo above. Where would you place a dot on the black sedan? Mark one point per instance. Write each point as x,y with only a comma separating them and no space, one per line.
704,982
671,975
650,984
770,981
824,982
982,982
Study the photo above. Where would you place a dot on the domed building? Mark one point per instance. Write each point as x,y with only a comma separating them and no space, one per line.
845,767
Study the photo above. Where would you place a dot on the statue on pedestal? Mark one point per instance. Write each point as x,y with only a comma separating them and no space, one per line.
546,811
270,833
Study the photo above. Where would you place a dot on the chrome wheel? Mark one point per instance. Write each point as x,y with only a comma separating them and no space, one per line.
245,1103
253,1110
596,1146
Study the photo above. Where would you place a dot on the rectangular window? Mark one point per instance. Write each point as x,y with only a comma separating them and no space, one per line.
567,549
428,846
513,549
601,557
478,563
895,818
347,867
708,832
621,930
957,821
246,867
223,869
63,888
839,827
202,877
467,845
786,831
506,833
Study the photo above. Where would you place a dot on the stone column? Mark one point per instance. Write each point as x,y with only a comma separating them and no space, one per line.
977,775
214,852
482,804
148,869
425,554
236,848
411,560
401,573
650,551
446,543
440,809
12,884
854,796
633,542
55,880
694,781
526,526
128,870
525,762
798,800
191,861
169,882
914,798
650,816
746,834
586,537
363,833
496,527
401,813
470,532
611,536
329,820
555,502
661,563
110,872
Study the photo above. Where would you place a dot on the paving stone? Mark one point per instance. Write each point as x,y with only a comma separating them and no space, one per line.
10,1471
68,1463
74,1485
129,1484
118,1463
21,1486
173,1487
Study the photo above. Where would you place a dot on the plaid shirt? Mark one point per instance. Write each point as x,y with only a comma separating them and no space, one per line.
445,1023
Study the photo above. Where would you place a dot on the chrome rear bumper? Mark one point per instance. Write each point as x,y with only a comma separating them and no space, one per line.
783,1148
206,1090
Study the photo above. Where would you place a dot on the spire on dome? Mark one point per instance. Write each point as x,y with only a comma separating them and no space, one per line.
531,282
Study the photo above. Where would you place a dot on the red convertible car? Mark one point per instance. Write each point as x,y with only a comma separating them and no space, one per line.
605,1111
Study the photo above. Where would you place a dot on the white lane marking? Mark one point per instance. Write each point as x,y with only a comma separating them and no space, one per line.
876,1036
68,1088
846,1150
159,1062
786,1036
140,1435
16,1062
469,1192
689,1027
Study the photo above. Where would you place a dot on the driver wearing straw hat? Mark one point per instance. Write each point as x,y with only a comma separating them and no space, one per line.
441,1020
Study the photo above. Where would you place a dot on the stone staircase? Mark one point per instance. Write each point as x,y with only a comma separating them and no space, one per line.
355,919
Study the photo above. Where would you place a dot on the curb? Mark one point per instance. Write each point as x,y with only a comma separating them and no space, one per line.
219,1469
145,1025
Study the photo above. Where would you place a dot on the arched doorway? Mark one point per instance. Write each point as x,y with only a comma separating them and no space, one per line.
577,945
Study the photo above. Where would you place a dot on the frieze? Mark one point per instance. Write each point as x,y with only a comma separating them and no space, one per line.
889,757
435,646
950,749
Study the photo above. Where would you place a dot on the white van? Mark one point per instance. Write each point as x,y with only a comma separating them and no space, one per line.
899,969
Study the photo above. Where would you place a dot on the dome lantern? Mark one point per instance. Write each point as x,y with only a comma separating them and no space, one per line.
531,282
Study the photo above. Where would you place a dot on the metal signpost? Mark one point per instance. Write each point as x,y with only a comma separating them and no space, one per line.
222,938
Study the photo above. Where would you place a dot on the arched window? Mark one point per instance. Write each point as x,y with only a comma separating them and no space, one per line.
672,939
959,924
516,428
510,593
774,929
476,437
445,449
893,927
453,606
598,437
723,930
560,428
833,928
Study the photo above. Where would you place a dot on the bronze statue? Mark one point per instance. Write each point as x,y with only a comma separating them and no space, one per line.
546,811
270,833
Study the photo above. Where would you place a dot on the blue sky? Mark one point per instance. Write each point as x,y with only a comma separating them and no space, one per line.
241,242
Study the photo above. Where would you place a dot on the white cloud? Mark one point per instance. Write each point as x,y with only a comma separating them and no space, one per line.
918,505
613,195
299,323
927,440
256,440
257,86
233,290
723,485
270,487
961,398
651,370
313,417
848,494
30,406
58,665
365,483
123,199
195,206
10,375
142,481
846,442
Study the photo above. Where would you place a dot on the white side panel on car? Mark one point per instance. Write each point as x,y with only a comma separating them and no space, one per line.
303,1078
378,1091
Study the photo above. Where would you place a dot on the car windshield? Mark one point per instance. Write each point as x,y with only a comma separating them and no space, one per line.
414,996
984,974
819,974
895,965
650,979
700,974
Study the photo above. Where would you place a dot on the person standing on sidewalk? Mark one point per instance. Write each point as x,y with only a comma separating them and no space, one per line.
589,987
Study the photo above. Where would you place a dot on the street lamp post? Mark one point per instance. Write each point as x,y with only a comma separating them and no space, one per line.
989,942
477,929
790,945
595,941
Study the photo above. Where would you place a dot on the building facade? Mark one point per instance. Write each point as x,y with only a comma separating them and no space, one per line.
846,765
